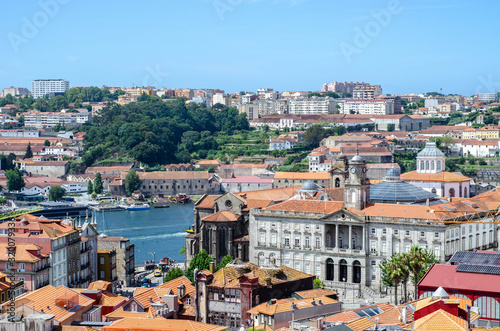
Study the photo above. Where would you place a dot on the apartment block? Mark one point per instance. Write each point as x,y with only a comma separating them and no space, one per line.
366,92
36,119
314,105
367,106
43,87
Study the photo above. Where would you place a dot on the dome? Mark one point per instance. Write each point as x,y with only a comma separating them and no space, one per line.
430,150
392,174
309,185
394,190
357,157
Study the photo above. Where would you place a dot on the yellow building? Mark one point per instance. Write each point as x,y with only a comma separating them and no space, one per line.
486,133
106,267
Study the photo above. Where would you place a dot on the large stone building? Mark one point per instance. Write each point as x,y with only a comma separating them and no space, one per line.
344,241
165,183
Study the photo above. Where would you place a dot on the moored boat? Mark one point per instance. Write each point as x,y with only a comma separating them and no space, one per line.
144,206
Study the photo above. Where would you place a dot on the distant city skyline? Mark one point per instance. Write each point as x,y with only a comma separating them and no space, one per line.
405,46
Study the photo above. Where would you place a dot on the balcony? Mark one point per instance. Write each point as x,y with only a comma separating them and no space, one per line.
46,266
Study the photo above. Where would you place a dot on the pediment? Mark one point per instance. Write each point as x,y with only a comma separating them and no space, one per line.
344,216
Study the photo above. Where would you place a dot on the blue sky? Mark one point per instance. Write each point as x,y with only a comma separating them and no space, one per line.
406,46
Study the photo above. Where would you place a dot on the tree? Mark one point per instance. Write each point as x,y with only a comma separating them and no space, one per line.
15,181
314,135
200,261
395,274
390,127
404,261
90,188
420,259
98,186
173,273
318,283
29,152
132,182
225,260
56,193
46,143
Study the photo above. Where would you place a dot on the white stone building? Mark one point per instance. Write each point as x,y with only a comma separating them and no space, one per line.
313,105
367,106
43,87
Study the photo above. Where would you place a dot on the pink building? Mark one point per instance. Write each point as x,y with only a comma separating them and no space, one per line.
30,266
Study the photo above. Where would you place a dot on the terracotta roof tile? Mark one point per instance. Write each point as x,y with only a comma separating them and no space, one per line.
145,324
440,320
308,206
221,216
444,176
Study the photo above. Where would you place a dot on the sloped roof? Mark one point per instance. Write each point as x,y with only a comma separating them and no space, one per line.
284,305
149,324
221,216
443,176
440,320
308,206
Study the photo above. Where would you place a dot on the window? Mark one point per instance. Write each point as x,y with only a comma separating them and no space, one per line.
436,234
396,232
103,274
407,233
287,241
262,237
318,242
373,231
373,263
297,242
384,231
422,234
308,242
273,238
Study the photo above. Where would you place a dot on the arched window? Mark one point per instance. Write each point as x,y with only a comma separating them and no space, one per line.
433,190
356,272
451,193
422,165
329,269
337,182
343,270
438,167
262,259
353,196
488,307
465,192
432,165
426,165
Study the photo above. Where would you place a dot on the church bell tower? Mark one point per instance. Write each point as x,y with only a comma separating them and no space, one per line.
357,186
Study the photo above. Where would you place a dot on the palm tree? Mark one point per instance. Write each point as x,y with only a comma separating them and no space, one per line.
420,259
404,262
395,273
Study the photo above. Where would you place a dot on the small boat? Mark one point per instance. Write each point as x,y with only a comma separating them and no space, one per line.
144,206
160,205
189,231
182,198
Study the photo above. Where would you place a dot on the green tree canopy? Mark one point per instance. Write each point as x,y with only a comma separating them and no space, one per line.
173,273
132,182
98,184
225,260
90,188
56,193
15,181
29,152
46,143
200,261
314,135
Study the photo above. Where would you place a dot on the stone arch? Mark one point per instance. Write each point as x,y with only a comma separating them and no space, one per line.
451,193
337,182
329,269
427,165
434,190
356,272
432,165
422,165
262,259
343,270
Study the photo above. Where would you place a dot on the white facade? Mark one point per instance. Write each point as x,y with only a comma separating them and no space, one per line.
480,148
222,99
363,106
486,97
281,144
431,103
314,105
37,119
42,87
58,262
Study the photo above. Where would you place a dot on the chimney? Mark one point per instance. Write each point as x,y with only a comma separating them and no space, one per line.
319,302
151,299
268,280
212,267
180,290
403,315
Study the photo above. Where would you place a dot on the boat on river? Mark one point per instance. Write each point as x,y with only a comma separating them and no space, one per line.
143,206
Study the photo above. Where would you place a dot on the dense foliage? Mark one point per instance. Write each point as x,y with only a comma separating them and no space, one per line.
200,261
56,193
132,182
173,273
15,181
154,132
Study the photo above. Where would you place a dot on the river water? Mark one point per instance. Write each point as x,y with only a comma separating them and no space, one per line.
157,230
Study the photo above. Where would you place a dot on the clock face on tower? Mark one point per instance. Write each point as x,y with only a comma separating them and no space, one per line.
353,170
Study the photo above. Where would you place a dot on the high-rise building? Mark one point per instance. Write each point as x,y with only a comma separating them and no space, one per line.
43,87
347,87
367,92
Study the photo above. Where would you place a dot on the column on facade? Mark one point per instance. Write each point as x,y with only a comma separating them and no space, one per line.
350,237
336,236
363,235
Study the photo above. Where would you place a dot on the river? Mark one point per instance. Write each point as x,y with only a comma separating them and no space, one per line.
157,230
